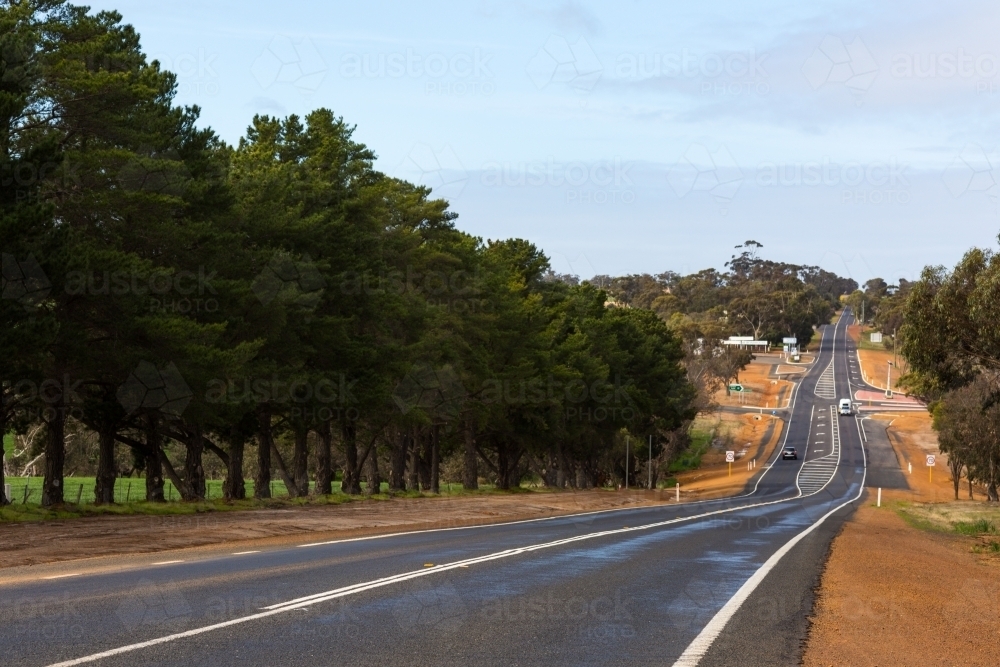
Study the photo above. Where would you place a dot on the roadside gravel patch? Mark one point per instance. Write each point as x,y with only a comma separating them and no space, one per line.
893,594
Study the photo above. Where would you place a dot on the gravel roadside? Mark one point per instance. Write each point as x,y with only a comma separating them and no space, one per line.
34,543
896,594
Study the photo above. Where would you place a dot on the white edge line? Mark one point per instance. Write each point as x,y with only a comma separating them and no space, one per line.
697,649
167,562
244,553
63,576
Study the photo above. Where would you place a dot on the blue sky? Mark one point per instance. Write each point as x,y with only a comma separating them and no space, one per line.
626,137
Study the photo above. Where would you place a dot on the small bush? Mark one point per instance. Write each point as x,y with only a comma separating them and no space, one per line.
977,527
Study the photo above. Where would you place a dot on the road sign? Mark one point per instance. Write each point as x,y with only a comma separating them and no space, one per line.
735,387
730,457
930,459
790,341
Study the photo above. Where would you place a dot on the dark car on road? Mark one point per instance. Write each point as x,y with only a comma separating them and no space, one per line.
789,453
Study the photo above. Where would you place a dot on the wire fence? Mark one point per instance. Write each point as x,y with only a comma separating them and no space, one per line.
80,490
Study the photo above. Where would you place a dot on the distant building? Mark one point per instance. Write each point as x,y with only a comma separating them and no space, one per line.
747,343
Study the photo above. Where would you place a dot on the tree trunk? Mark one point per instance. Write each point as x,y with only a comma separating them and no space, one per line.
415,460
300,461
324,471
352,482
154,462
373,477
991,488
560,466
503,481
262,480
397,469
194,470
234,488
182,485
956,473
55,457
286,477
435,459
4,500
104,487
470,472
595,474
970,489
425,460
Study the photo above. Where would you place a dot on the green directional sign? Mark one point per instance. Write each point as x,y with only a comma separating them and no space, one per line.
740,388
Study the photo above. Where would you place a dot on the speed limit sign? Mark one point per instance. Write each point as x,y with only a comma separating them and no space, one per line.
930,459
730,457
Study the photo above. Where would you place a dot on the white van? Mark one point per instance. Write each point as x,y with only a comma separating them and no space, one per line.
845,406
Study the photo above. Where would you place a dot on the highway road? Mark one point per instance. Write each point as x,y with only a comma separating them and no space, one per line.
712,583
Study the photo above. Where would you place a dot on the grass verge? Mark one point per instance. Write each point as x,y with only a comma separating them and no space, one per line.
20,512
690,458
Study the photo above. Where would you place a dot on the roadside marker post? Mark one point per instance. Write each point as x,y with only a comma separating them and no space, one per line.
677,491
879,502
910,465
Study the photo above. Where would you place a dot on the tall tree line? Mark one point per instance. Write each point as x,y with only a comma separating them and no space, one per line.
165,291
